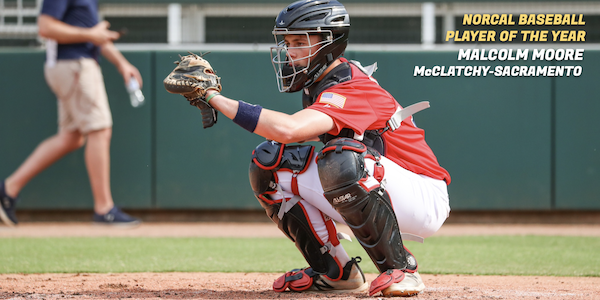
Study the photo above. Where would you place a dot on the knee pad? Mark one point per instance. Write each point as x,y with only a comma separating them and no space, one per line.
270,157
368,212
290,216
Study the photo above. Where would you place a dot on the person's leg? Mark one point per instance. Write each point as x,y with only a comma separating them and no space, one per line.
420,203
46,153
91,112
360,193
309,188
312,230
62,78
97,161
83,105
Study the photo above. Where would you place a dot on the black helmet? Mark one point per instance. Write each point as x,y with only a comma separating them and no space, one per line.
327,18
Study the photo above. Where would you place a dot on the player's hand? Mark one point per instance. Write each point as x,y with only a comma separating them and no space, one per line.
196,80
128,71
100,34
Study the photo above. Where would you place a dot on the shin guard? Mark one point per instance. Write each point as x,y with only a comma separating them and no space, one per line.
368,212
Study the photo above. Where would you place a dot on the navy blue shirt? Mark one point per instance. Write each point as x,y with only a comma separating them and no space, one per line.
80,13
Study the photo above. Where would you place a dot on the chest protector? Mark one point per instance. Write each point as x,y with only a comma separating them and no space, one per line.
343,73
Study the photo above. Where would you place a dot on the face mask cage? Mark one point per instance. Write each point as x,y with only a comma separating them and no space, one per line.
292,73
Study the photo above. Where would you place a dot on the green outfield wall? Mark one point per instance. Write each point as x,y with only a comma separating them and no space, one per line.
509,143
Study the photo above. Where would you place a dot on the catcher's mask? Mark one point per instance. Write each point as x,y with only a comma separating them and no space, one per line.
327,19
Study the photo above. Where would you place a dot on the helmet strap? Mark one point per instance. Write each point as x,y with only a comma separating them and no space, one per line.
317,74
329,57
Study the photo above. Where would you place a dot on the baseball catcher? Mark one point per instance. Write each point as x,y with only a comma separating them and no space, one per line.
375,172
192,78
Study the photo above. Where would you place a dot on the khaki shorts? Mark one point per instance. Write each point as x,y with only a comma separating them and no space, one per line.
82,102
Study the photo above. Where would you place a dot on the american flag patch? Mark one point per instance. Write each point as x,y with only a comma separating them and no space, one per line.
334,99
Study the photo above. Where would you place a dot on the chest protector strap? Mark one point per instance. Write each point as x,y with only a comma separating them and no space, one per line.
343,73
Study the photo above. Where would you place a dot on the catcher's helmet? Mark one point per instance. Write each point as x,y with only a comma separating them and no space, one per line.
327,18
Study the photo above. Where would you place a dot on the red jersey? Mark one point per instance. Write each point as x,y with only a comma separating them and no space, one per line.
361,104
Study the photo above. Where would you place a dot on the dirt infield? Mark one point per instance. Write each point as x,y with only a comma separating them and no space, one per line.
258,285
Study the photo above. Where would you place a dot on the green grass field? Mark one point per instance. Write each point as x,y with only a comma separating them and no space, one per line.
482,255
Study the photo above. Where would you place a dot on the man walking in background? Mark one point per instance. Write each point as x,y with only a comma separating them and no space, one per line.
75,38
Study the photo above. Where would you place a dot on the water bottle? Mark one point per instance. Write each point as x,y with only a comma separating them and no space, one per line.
135,94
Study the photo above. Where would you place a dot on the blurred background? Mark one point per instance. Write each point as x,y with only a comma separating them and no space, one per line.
519,149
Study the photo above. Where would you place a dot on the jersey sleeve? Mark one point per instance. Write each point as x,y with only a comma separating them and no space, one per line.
55,8
347,107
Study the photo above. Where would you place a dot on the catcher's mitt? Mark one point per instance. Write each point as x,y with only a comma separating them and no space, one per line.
192,77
